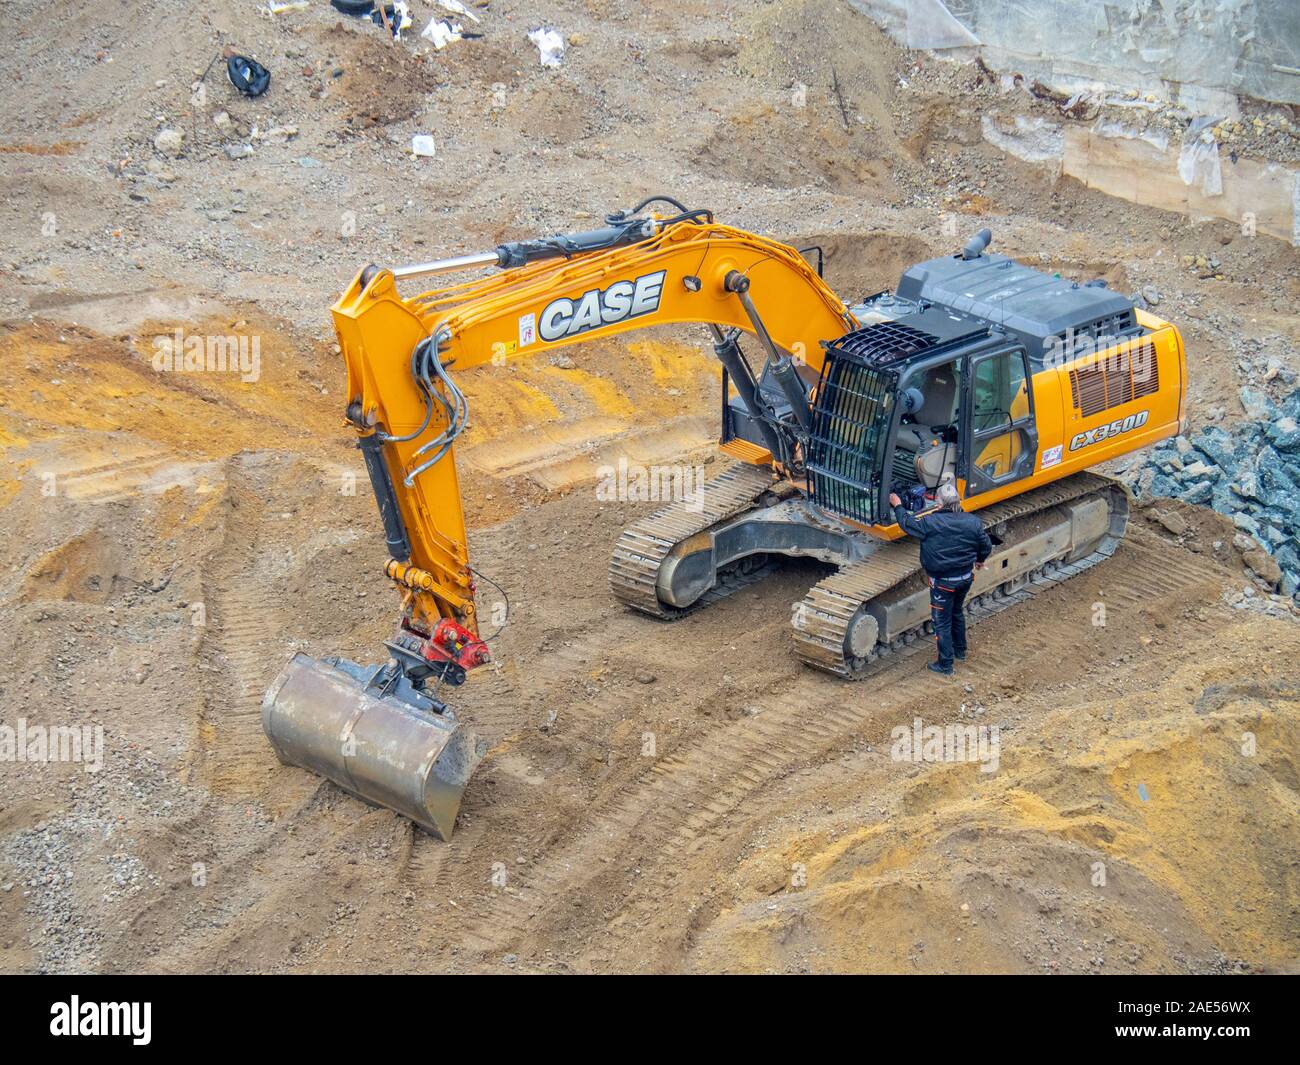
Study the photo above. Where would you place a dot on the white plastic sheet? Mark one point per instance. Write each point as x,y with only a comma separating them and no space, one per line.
1198,161
457,8
440,32
550,45
931,25
1198,164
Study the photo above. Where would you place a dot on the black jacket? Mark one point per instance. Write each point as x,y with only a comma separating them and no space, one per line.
952,541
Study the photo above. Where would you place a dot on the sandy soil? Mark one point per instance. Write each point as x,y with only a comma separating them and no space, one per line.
169,539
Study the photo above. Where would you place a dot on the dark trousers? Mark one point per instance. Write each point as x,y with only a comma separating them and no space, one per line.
946,599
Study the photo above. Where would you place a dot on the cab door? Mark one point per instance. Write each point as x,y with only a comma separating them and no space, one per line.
999,433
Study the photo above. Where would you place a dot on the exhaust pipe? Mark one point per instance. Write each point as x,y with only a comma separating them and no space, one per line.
975,246
374,735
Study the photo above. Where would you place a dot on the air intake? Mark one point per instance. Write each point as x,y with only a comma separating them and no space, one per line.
1115,378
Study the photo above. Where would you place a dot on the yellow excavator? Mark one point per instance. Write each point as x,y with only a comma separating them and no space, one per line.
976,369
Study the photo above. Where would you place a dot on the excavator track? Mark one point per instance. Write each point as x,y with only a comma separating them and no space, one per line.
821,623
643,546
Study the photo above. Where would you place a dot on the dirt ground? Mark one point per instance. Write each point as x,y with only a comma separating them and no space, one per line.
167,540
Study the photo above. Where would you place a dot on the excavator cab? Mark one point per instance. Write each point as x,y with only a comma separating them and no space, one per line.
903,407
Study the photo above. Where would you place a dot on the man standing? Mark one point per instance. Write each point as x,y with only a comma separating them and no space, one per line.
953,546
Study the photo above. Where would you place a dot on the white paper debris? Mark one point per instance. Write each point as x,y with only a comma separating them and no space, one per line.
457,8
550,44
422,146
441,32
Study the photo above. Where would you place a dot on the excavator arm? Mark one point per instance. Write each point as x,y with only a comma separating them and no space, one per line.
402,355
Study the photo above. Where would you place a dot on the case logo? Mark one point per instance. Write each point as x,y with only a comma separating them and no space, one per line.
601,306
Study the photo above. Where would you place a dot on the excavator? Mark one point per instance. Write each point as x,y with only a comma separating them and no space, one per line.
1006,380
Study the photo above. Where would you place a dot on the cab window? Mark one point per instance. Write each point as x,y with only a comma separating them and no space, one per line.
1002,438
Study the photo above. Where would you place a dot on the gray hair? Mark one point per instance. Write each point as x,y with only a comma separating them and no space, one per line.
948,497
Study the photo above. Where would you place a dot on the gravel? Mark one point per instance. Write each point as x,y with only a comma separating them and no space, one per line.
1251,473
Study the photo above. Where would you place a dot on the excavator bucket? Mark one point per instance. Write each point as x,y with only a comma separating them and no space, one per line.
387,745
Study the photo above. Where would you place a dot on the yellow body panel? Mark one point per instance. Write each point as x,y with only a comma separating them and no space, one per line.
1060,421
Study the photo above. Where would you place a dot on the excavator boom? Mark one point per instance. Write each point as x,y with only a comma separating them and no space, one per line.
680,273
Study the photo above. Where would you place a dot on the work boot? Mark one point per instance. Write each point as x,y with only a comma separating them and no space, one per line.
938,667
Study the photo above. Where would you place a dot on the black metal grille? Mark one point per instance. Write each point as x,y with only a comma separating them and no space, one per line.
851,416
883,344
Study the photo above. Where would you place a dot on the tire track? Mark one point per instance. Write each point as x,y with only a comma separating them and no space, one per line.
680,806
241,634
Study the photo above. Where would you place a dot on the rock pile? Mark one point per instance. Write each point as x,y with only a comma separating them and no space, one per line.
1251,474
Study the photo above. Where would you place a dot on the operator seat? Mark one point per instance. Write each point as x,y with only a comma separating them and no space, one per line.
940,392
933,460
936,464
